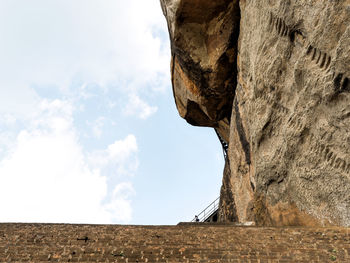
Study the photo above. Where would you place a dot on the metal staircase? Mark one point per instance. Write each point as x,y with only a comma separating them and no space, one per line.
209,214
224,144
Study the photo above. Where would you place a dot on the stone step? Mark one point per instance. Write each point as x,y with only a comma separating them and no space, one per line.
181,243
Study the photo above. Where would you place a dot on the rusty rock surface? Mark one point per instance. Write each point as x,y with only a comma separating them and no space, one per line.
204,37
273,77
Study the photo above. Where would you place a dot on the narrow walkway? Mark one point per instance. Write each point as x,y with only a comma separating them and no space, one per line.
188,242
209,214
224,144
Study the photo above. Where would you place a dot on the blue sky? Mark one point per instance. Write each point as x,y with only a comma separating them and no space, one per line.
89,132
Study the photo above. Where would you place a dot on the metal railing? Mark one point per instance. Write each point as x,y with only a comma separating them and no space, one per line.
208,211
224,144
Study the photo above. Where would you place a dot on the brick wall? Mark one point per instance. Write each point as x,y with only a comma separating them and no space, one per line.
198,242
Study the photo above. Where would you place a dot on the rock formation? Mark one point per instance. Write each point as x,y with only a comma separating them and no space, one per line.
273,78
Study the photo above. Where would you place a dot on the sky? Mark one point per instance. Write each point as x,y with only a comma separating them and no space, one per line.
89,131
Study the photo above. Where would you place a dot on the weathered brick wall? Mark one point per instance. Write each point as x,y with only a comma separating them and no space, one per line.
182,243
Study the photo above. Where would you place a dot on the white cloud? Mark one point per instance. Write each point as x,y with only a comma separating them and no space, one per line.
97,126
119,156
46,177
7,119
6,142
68,49
122,149
16,99
136,106
120,205
49,43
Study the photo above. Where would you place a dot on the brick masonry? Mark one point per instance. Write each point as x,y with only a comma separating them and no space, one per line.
196,242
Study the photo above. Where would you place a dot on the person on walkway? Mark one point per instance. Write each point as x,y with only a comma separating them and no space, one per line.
196,217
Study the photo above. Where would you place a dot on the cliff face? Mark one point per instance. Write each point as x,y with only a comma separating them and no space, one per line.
204,36
273,78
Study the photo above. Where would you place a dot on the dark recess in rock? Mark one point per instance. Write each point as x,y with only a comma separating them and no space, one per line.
241,133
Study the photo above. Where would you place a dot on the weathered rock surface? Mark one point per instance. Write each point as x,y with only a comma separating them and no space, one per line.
204,37
227,211
286,85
